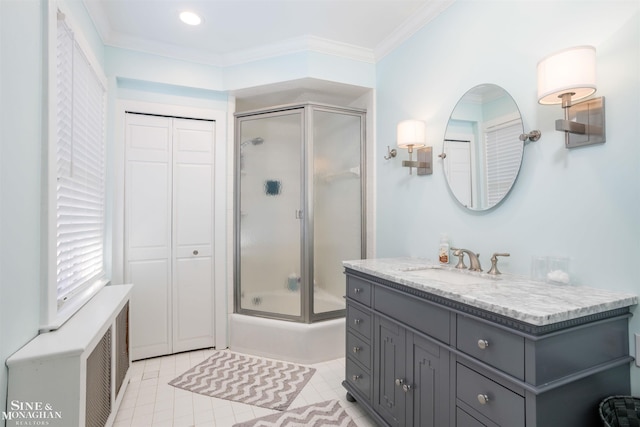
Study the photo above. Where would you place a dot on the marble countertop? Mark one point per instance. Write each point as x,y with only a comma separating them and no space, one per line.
519,298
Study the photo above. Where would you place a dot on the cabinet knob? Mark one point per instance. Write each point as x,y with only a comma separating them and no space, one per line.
399,381
483,399
356,377
357,321
195,252
356,349
483,344
357,290
407,388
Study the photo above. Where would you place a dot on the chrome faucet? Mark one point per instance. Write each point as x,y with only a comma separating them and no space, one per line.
473,259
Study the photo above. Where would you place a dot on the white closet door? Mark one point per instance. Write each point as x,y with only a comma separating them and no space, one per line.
148,232
169,233
459,171
193,296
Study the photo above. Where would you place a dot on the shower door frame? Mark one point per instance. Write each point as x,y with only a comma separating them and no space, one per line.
307,109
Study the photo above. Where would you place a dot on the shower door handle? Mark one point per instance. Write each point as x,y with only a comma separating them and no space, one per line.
299,214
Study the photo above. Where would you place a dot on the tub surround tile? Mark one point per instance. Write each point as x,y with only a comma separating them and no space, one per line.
516,297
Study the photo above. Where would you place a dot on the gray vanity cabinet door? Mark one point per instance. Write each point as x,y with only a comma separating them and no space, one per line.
389,371
428,396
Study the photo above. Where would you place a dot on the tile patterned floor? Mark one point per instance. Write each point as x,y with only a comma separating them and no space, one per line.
150,402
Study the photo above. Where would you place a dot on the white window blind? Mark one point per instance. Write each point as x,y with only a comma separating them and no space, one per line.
80,155
503,155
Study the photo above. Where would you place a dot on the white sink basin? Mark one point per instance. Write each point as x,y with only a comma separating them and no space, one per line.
453,277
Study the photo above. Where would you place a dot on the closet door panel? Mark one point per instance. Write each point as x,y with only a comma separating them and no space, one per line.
193,296
148,201
150,322
193,204
194,326
148,211
193,141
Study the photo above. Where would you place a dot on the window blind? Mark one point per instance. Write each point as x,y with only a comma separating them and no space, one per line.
80,156
503,155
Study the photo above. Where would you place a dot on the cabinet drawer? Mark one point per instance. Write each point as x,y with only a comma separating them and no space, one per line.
358,377
493,346
465,420
359,321
359,290
359,350
426,317
490,399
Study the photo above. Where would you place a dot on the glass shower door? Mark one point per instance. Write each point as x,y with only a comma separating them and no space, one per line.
337,203
269,194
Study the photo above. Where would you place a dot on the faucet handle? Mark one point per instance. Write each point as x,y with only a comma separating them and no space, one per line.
458,252
494,263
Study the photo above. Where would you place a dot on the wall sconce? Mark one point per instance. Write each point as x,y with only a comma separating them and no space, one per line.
567,76
412,134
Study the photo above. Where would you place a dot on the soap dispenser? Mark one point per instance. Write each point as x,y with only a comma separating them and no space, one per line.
443,252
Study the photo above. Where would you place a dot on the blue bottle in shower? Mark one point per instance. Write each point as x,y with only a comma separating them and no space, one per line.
293,282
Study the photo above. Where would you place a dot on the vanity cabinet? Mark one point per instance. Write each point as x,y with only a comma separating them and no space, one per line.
415,358
402,375
411,380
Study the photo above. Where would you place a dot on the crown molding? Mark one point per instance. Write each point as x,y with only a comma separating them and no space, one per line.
286,47
166,50
299,44
409,27
305,43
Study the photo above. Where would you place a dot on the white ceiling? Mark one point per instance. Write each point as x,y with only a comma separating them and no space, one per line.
238,31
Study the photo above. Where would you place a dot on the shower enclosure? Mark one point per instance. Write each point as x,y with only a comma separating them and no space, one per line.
299,198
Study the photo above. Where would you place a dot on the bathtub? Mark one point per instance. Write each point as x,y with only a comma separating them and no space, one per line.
304,343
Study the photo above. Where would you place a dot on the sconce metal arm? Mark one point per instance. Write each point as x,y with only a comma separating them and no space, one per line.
569,126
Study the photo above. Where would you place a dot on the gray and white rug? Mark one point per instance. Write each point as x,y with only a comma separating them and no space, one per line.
247,379
323,414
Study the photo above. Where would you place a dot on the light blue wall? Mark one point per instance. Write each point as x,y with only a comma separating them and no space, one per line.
20,162
144,67
582,203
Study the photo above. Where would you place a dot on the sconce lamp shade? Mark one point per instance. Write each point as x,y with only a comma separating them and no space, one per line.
571,70
411,133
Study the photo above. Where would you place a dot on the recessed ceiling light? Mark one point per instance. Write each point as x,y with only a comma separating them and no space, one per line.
190,18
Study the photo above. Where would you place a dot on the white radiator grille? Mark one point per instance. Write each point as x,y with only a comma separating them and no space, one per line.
122,346
99,383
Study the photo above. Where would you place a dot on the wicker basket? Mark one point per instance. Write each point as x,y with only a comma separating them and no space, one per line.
620,411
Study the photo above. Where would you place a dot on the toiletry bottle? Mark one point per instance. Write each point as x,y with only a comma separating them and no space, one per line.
293,282
443,252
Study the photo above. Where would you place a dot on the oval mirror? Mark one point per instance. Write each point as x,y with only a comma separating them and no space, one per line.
482,150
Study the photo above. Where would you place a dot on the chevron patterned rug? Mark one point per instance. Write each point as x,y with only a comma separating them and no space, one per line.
323,414
251,380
